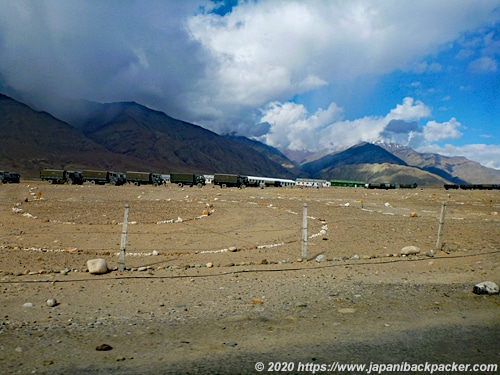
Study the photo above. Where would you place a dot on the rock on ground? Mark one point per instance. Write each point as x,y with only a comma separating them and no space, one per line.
486,287
97,266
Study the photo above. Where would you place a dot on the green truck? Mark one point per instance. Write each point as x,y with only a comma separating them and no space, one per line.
347,183
61,176
189,179
144,178
9,177
231,180
104,177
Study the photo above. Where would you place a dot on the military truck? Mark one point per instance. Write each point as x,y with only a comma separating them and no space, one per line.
189,179
380,185
144,178
231,180
60,176
103,177
9,177
408,186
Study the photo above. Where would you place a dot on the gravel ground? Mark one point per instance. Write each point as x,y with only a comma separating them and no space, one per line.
217,293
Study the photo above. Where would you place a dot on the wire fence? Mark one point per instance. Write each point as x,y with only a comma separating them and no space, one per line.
338,227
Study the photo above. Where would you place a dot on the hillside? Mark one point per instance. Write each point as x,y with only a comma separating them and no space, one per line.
270,152
388,173
457,169
173,145
363,153
120,136
32,140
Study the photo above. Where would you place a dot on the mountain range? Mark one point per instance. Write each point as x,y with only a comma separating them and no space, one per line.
129,136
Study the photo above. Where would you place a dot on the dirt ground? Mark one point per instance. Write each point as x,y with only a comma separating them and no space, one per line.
218,293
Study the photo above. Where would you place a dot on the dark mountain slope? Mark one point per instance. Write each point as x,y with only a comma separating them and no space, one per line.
270,152
173,145
363,153
33,140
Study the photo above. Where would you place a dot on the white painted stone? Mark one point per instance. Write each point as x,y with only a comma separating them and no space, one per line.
410,250
320,258
97,266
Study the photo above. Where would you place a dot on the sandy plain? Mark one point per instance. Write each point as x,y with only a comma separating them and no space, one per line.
170,313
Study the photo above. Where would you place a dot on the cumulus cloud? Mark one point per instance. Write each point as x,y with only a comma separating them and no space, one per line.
291,126
434,131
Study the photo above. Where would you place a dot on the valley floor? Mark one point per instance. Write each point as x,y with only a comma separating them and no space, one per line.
218,293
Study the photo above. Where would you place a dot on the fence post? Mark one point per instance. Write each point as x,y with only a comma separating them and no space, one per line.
440,228
121,260
304,233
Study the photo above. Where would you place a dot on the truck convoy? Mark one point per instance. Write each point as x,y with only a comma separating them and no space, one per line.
380,185
59,176
144,178
190,179
9,177
230,180
103,177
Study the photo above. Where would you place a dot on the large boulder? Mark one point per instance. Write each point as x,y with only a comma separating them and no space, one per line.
97,266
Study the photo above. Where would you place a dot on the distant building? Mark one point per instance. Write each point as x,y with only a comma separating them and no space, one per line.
269,181
312,182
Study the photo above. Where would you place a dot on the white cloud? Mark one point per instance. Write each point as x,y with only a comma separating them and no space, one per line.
487,155
346,133
272,50
434,131
410,110
483,65
291,126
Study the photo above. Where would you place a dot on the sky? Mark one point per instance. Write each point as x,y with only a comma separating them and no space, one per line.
309,75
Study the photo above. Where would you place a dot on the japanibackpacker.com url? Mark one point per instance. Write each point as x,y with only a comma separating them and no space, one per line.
430,368
375,368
